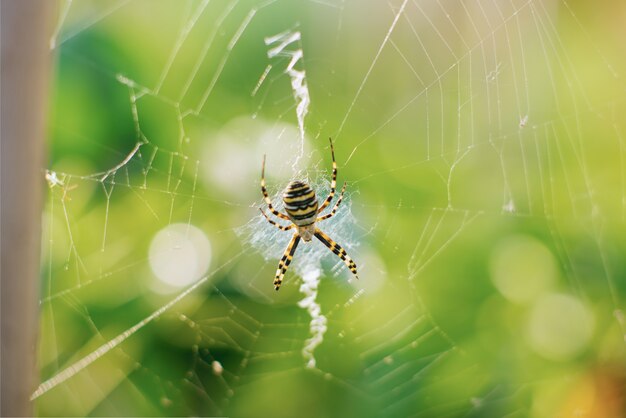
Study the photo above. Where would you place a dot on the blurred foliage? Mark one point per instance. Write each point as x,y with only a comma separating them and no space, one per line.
457,137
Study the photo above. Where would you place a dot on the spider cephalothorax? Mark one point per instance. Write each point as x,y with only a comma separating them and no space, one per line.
302,210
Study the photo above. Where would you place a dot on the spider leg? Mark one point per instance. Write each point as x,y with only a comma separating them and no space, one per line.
266,196
332,212
282,228
333,183
286,260
336,248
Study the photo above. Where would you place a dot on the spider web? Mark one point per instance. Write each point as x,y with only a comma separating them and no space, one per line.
482,143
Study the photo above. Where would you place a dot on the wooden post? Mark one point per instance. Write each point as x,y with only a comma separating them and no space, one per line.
25,72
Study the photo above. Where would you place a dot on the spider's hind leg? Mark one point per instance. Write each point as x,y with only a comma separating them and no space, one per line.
277,225
266,197
332,212
333,183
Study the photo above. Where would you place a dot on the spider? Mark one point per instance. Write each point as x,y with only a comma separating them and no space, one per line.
302,210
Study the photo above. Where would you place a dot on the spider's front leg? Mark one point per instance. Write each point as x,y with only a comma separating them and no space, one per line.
286,260
336,249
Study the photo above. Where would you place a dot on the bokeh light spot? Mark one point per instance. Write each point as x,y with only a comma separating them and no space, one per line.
522,268
559,327
179,255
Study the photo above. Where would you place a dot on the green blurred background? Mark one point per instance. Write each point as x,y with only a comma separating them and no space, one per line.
484,148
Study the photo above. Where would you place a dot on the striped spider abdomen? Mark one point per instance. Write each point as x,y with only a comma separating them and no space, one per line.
300,203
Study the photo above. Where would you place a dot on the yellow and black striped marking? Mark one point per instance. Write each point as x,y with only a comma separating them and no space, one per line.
336,249
285,261
302,209
300,203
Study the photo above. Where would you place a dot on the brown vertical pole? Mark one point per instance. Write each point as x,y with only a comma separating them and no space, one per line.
24,73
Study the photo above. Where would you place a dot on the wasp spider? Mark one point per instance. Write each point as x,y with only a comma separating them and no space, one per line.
302,210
